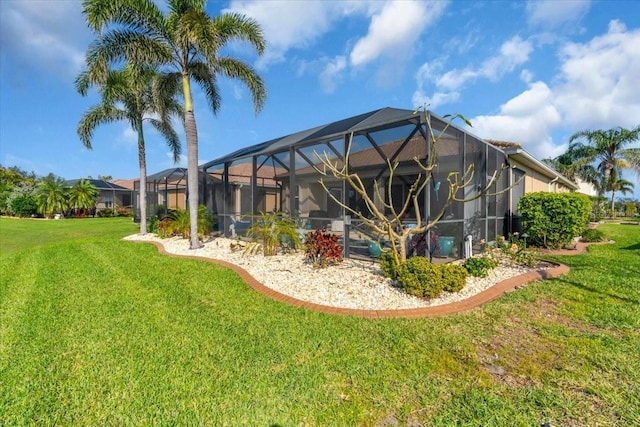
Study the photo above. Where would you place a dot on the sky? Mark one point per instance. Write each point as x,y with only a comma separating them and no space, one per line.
533,72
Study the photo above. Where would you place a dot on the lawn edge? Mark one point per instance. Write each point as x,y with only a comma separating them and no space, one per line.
470,303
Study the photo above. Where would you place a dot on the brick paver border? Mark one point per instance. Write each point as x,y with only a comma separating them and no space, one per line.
439,310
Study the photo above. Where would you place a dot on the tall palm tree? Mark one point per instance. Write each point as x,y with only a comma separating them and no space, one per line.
129,95
610,149
51,196
619,185
83,195
188,43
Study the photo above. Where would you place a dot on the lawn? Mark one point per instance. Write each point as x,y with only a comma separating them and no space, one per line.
99,331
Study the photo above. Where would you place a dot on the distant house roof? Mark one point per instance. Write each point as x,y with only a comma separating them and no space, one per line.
126,183
100,184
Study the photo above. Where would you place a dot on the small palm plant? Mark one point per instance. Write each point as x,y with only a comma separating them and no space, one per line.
51,197
177,223
273,232
83,195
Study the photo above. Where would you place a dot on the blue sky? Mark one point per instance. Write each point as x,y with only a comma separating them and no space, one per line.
525,71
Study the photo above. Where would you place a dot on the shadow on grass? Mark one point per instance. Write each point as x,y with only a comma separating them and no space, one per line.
634,247
596,291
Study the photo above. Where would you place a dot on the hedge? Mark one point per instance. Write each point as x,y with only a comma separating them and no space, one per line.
553,220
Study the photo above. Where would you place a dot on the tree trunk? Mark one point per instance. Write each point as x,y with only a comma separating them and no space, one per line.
613,203
142,161
192,163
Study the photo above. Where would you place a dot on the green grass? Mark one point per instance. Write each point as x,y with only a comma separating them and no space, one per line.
99,331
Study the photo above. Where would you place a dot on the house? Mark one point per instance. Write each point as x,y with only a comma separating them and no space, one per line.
282,173
111,195
167,190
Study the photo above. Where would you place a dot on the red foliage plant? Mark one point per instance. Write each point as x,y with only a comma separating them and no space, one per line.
322,248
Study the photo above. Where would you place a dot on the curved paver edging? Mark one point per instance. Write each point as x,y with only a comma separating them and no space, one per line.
440,310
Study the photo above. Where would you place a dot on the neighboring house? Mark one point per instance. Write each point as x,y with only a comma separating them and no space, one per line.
282,173
111,194
167,190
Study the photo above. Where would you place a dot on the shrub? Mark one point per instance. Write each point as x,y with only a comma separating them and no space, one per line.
419,277
177,223
24,206
454,277
273,232
321,248
152,224
598,208
593,235
553,219
388,265
479,266
510,251
105,213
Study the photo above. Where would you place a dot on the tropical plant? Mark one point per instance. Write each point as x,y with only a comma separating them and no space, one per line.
611,150
187,43
177,223
569,165
128,95
618,185
51,196
321,248
273,232
83,195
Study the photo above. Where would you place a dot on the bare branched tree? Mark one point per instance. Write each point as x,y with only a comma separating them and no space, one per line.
386,217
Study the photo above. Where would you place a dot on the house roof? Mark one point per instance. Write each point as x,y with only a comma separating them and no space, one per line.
168,174
521,156
325,132
100,184
126,183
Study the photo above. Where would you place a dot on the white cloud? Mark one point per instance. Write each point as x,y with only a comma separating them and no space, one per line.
597,88
398,25
529,118
51,35
513,52
598,83
394,28
332,73
552,14
293,24
128,137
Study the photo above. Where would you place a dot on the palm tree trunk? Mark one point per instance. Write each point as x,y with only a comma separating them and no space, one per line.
613,204
142,161
192,162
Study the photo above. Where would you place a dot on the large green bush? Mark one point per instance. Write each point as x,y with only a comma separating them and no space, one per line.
552,220
24,205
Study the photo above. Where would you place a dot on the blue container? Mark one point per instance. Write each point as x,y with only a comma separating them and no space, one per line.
446,245
374,248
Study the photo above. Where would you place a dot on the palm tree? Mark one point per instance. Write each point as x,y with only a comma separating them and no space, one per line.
51,196
610,149
129,95
83,195
187,42
573,169
619,185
